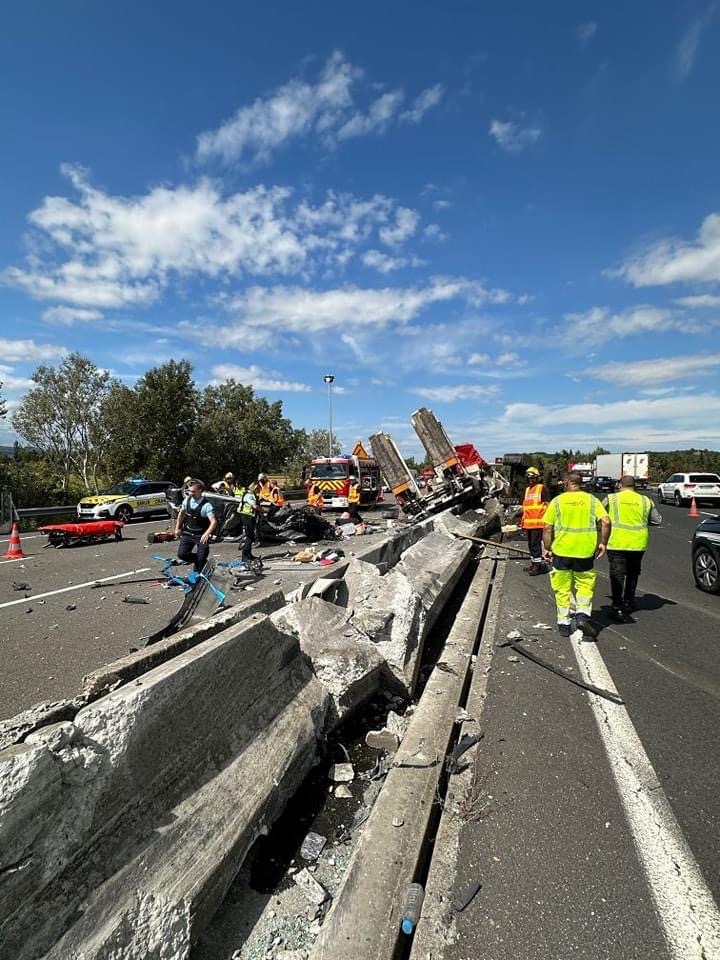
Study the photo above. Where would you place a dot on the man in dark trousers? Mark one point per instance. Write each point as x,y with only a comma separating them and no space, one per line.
248,511
195,525
631,514
534,505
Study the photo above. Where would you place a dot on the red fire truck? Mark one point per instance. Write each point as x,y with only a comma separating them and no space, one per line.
332,475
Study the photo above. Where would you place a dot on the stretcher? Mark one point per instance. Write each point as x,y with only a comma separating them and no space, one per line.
71,534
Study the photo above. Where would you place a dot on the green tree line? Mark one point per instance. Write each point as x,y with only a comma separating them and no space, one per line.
83,430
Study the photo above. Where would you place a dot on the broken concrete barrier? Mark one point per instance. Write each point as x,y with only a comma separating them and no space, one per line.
159,790
347,664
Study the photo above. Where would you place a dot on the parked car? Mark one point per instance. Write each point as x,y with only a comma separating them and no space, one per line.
706,555
602,485
682,487
123,501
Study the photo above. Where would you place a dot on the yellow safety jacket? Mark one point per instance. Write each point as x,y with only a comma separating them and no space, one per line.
354,493
533,508
573,516
629,513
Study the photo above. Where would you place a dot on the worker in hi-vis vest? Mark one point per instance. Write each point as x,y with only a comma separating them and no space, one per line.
631,514
576,529
534,506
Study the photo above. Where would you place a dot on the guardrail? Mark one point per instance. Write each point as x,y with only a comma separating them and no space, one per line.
44,511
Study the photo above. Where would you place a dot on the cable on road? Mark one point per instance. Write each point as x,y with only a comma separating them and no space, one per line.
523,651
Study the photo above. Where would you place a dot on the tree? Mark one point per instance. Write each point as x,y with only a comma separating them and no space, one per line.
60,416
240,432
152,424
308,446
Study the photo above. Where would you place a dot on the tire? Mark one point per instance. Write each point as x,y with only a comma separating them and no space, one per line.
124,513
706,570
661,498
678,499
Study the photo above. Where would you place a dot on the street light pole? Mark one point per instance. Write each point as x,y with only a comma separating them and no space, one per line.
328,379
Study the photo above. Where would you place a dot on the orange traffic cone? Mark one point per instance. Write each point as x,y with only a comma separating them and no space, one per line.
15,550
693,511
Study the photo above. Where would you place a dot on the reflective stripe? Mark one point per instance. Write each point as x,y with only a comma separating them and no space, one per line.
590,528
574,521
629,505
533,508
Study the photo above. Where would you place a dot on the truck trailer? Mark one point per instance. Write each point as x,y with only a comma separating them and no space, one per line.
619,465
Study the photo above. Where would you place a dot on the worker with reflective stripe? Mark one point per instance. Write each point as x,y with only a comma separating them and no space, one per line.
534,506
576,529
631,513
315,497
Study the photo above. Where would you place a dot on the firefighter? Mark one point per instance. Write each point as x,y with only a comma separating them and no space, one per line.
534,506
631,513
264,491
576,528
315,497
226,487
276,494
195,525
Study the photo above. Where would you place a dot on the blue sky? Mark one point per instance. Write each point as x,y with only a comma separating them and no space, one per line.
507,212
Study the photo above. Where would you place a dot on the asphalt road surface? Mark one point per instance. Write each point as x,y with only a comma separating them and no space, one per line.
596,828
60,628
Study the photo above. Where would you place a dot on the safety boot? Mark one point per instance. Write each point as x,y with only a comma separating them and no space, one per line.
586,626
564,629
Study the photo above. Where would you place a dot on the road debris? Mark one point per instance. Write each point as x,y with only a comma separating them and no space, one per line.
21,586
135,600
342,773
312,846
466,895
383,739
342,792
71,606
314,891
464,743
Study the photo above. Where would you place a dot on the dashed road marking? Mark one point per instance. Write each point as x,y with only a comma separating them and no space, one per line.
688,914
75,586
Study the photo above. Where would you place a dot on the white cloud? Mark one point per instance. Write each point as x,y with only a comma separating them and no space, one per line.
381,112
428,99
513,137
586,31
433,232
677,261
70,315
669,409
509,359
450,394
256,377
479,359
700,300
442,204
10,382
405,225
105,251
600,324
28,350
384,263
326,109
687,48
660,370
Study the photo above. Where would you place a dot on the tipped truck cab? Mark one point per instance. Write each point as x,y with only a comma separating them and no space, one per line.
123,501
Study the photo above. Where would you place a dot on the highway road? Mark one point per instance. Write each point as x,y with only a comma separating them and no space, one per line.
597,828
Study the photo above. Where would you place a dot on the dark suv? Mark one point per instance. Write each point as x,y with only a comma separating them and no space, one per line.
706,555
602,485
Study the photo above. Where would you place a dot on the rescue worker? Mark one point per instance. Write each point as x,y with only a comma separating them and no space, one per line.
315,497
354,500
264,491
576,529
276,494
195,525
248,510
534,506
631,514
226,486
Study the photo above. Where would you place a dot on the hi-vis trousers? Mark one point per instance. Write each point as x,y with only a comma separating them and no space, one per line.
573,582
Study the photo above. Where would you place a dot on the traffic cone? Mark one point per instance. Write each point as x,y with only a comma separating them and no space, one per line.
15,550
693,511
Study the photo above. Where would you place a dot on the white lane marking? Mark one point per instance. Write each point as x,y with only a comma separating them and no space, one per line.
14,559
23,536
75,586
688,914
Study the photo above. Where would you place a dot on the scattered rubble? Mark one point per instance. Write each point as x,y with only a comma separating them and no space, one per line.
342,773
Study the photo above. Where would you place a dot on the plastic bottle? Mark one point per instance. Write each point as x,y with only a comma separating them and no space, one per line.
413,906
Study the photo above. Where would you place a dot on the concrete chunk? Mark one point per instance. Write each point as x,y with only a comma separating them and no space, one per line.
30,785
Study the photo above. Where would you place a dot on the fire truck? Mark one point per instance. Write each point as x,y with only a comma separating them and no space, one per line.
332,475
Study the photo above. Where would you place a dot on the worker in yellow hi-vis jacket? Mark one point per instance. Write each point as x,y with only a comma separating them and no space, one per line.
575,531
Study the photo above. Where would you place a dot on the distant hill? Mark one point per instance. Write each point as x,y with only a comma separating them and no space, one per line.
6,451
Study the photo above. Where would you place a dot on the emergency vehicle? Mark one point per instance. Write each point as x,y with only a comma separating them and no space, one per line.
123,501
332,475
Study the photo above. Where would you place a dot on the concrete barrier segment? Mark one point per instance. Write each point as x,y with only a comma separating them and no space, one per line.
165,783
347,664
364,922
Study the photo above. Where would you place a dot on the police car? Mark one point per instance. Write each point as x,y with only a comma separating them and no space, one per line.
123,501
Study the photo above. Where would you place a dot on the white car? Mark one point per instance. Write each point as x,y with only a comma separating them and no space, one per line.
124,501
680,488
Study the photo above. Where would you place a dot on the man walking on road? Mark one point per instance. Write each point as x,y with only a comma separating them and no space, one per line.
575,531
631,513
534,506
195,524
248,511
